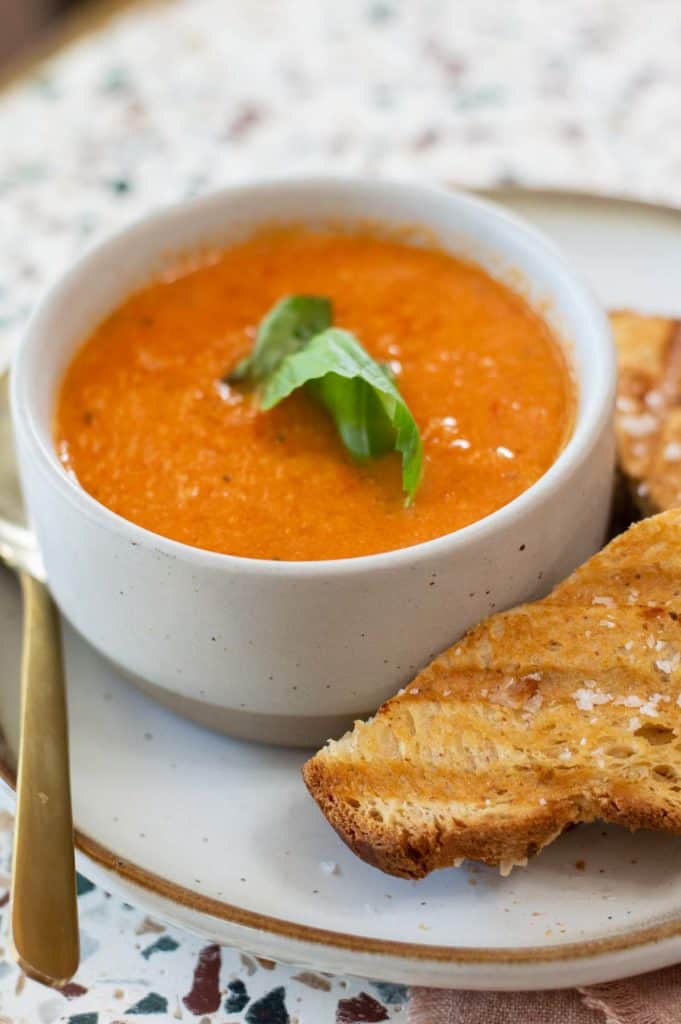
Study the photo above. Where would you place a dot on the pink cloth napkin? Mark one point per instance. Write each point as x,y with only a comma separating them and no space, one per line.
647,999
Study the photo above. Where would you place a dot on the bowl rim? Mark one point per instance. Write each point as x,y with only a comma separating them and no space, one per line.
589,422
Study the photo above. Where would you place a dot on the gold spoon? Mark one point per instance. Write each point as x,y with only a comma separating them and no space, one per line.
44,911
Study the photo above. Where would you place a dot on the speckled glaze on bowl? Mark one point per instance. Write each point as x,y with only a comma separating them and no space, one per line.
290,652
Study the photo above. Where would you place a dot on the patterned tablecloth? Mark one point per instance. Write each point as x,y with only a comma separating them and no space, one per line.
169,99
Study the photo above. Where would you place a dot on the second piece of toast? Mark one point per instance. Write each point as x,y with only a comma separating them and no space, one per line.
648,416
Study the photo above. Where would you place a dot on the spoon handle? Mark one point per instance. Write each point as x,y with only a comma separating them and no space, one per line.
44,912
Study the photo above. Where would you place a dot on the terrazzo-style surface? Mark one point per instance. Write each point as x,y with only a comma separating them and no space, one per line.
172,99
135,968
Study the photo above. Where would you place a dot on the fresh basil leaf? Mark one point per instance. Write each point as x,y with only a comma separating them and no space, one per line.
369,411
285,329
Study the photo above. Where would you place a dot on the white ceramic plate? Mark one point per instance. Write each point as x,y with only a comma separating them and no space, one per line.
221,837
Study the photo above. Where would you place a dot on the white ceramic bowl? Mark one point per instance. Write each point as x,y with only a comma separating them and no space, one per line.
291,652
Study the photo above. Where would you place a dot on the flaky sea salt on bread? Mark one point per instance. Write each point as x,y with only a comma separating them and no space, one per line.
557,712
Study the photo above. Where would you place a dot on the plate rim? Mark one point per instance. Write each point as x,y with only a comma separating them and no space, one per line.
502,192
148,881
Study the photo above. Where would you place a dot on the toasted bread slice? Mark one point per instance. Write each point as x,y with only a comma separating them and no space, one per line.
556,712
648,418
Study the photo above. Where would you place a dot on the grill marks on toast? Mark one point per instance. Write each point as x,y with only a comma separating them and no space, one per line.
553,713
648,417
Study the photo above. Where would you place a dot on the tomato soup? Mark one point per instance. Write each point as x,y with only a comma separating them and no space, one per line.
147,427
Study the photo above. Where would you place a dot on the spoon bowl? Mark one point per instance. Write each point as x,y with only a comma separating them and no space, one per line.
18,546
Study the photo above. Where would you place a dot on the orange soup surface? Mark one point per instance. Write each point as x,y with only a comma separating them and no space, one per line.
147,428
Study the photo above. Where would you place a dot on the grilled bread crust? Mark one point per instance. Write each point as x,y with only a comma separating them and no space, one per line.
553,713
648,417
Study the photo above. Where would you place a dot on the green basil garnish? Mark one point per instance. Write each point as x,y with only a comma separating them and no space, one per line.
371,416
286,328
293,351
